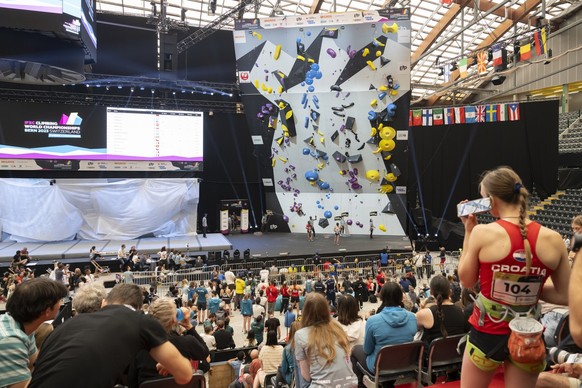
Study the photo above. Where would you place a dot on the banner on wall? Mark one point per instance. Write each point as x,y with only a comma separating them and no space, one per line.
224,222
244,220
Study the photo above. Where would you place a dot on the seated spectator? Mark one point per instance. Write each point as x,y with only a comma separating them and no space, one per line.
391,324
286,371
237,365
566,375
41,333
94,254
190,345
223,338
270,356
63,359
250,340
444,318
252,368
227,326
208,338
31,303
88,299
348,317
322,347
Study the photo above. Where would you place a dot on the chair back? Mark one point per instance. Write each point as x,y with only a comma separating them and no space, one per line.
169,382
398,360
562,329
443,351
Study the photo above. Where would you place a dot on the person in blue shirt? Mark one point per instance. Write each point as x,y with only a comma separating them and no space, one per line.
201,293
213,303
289,318
246,309
392,324
384,258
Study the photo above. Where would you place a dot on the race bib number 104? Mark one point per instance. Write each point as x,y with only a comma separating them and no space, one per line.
516,289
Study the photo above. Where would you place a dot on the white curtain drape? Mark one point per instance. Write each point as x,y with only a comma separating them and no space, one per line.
31,210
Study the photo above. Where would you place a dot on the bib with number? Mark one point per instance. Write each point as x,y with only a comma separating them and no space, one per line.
516,289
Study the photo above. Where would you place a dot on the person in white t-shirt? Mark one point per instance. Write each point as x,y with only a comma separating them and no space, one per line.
258,309
229,278
264,274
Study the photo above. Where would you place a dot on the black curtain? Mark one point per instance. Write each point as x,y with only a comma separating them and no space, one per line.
447,161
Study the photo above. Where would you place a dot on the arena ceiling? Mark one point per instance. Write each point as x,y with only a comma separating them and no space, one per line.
441,33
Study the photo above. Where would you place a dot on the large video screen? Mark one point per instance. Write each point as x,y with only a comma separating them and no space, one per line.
57,137
73,19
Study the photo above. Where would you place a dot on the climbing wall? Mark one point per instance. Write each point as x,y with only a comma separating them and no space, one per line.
327,100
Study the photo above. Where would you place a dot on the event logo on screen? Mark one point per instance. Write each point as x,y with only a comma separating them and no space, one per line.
67,126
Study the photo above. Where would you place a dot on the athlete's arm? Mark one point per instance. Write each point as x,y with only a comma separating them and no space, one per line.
469,260
556,292
575,294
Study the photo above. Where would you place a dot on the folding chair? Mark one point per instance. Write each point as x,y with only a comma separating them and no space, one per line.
443,357
396,362
269,381
168,382
100,268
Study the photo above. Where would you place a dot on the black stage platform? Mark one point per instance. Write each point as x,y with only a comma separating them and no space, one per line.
262,247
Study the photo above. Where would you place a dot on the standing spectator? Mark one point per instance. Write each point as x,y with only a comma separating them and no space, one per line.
239,290
443,257
289,319
360,291
349,318
128,275
201,303
284,290
31,303
507,251
122,257
392,324
63,359
258,309
322,347
273,323
204,225
246,309
223,338
264,274
229,277
258,327
427,261
272,293
60,273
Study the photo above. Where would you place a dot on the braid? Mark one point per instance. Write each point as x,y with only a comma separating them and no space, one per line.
522,216
441,315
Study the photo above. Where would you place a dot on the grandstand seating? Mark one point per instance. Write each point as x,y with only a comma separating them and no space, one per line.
558,210
570,128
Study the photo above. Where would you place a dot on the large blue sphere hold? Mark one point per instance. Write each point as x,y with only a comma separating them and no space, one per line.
327,214
306,151
311,175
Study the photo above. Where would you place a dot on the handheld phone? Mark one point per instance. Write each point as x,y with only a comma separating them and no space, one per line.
476,206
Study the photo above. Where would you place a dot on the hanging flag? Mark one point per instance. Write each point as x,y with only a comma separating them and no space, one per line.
416,117
460,115
427,117
544,40
499,58
502,112
513,111
491,113
437,116
449,116
538,43
470,114
447,72
480,113
525,52
463,68
482,62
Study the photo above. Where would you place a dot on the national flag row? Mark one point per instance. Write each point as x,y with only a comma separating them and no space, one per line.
522,52
464,114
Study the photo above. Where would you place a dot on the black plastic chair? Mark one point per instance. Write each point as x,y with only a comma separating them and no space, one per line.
443,358
269,381
395,362
168,382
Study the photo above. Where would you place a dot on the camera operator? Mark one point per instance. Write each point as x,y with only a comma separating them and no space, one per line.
575,291
566,375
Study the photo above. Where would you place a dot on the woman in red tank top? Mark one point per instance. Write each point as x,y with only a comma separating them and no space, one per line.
512,259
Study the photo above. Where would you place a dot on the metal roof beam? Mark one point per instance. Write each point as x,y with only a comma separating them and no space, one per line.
512,14
315,6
